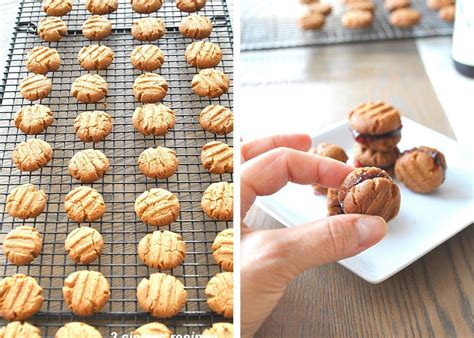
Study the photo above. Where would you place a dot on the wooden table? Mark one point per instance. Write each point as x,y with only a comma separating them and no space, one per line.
432,297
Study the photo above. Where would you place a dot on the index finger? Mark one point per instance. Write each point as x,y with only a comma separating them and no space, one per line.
256,147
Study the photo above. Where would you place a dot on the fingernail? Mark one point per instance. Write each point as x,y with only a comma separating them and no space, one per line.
370,229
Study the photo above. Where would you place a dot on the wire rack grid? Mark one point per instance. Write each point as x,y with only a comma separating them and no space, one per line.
270,24
122,184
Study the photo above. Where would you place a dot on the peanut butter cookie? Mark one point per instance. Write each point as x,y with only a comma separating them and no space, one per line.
357,18
162,250
97,27
217,157
77,330
154,329
203,54
217,119
41,60
159,162
32,154
405,17
147,57
95,57
323,8
447,13
190,5
210,82
33,120
148,29
19,330
84,204
20,297
88,165
84,245
22,245
161,295
312,20
51,29
220,294
89,88
150,88
334,208
93,126
218,201
153,119
86,292
327,150
146,6
367,157
101,6
57,7
220,330
157,207
223,249
25,201
195,27
35,87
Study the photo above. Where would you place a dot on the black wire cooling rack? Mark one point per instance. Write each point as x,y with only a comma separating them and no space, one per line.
122,184
268,24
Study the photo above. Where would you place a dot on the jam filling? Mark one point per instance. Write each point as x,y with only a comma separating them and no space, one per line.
366,138
434,155
363,177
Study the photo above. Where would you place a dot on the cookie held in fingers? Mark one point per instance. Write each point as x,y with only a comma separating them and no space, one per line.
211,83
196,27
220,330
51,29
77,330
370,191
21,297
84,245
162,250
217,157
42,59
218,201
147,57
35,87
405,17
334,208
20,330
25,201
89,88
33,120
203,54
217,119
95,57
101,6
312,20
88,165
159,162
153,329
153,119
84,204
97,27
223,249
32,154
357,18
157,207
93,126
220,294
148,29
190,5
22,245
150,88
146,6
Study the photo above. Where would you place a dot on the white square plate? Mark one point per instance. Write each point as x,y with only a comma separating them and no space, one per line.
424,221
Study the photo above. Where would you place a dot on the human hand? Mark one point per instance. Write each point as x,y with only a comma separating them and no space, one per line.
270,259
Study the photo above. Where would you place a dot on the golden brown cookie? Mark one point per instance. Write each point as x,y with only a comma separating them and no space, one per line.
365,5
157,207
97,27
32,154
148,29
146,6
203,54
84,204
57,7
405,17
25,201
86,292
219,330
22,245
218,201
35,87
162,295
154,329
150,88
51,29
153,119
220,294
162,250
324,9
217,157
42,59
367,157
190,5
334,208
195,27
101,6
159,162
95,57
77,330
438,4
217,119
312,20
375,118
84,245
223,249
392,5
93,126
447,13
33,120
357,19
147,57
89,88
19,330
20,297
88,165
210,82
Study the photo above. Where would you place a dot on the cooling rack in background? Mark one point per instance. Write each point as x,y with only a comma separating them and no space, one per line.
268,24
121,185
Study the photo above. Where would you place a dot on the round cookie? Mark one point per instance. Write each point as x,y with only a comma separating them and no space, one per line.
438,4
324,9
147,57
84,204
159,162
42,59
32,154
157,207
405,17
153,119
84,245
95,57
22,245
88,165
21,297
447,13
364,5
162,250
392,5
369,191
327,150
25,201
150,88
217,119
161,295
217,157
148,29
312,20
220,294
220,330
93,126
421,169
101,6
33,120
154,329
146,6
190,5
51,29
77,330
210,82
57,7
223,249
89,88
97,27
334,208
195,27
367,157
218,201
203,54
19,330
86,292
35,87
357,19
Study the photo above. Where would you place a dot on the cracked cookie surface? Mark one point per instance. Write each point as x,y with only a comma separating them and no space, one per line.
220,294
20,297
196,27
157,207
162,250
88,165
220,330
153,119
25,201
96,27
217,119
51,29
154,329
147,57
22,245
20,330
203,54
32,154
93,126
95,57
218,201
89,88
223,249
210,82
159,162
217,157
101,6
35,87
148,29
42,59
77,330
84,204
150,88
33,120
84,245
146,6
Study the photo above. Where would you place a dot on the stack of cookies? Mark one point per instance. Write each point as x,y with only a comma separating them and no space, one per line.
376,127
